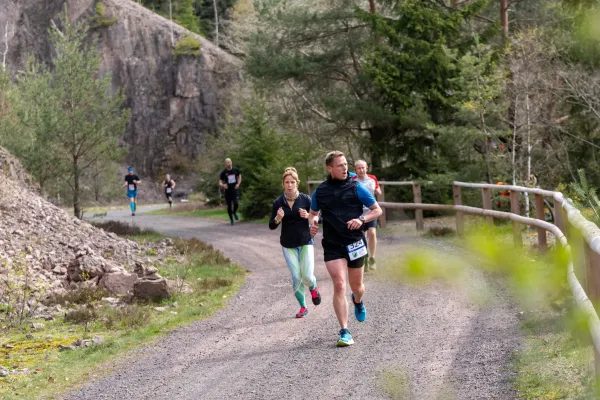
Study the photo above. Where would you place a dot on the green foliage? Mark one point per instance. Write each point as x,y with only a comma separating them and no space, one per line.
68,116
260,160
19,291
99,19
586,197
187,46
186,16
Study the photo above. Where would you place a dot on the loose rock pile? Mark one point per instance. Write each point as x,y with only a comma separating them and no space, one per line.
48,251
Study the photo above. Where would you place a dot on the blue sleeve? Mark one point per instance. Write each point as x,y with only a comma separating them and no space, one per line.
364,196
313,202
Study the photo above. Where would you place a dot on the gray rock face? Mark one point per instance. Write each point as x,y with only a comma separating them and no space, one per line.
175,101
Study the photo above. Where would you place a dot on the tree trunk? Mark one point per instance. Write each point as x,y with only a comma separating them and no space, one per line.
216,23
171,25
372,6
514,143
76,206
528,177
504,17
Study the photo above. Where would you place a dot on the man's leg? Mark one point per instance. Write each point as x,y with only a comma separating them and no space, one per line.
229,200
372,246
355,279
337,270
236,203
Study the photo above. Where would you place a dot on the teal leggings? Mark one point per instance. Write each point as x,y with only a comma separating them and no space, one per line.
301,262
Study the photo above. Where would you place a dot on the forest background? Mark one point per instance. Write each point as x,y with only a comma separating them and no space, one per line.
482,90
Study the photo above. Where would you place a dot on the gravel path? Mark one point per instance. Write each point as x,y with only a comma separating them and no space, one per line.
255,349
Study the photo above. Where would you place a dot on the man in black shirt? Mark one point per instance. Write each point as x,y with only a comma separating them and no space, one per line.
230,180
341,200
131,181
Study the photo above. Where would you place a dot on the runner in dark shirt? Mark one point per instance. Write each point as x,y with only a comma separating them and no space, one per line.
341,201
230,180
291,211
169,185
131,182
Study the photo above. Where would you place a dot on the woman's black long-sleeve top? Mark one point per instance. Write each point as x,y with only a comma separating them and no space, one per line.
294,229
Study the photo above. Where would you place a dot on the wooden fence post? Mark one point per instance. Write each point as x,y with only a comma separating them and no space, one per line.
417,200
457,196
486,195
592,270
515,208
559,216
380,198
539,214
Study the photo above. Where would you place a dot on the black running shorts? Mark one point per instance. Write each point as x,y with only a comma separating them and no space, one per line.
337,251
371,224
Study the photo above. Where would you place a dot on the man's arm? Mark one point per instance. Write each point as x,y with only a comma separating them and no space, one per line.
174,184
237,186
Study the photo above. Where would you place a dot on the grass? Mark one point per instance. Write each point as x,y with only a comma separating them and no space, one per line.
556,359
192,210
209,277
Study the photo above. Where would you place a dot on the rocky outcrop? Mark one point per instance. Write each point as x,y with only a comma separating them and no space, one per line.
175,102
46,252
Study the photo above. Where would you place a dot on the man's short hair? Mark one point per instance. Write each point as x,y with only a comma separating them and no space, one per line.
360,162
331,155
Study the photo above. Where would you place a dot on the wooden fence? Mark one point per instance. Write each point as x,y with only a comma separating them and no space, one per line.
578,236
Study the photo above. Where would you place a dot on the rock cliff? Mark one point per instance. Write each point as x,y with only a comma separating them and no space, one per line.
175,102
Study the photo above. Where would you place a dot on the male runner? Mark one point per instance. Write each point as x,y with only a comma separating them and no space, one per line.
169,185
341,201
131,181
230,180
372,185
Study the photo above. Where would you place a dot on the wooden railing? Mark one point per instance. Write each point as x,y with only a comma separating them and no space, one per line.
416,189
579,237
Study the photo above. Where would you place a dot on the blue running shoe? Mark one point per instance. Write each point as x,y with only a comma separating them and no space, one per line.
236,217
345,339
231,222
359,310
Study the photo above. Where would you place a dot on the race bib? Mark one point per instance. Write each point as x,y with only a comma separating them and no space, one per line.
169,190
230,178
131,186
356,250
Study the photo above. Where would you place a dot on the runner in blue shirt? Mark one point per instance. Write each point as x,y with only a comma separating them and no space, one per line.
132,181
341,201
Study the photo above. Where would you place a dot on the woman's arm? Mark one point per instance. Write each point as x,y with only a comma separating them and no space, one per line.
272,223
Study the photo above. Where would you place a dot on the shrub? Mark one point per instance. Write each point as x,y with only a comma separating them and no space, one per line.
130,316
123,228
100,20
77,296
202,253
81,315
187,46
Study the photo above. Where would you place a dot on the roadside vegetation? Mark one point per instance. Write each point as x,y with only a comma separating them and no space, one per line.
203,279
555,356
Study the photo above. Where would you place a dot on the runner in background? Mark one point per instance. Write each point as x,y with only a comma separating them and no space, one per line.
230,180
291,212
169,186
131,182
370,183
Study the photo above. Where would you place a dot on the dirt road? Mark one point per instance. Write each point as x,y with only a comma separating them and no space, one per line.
432,338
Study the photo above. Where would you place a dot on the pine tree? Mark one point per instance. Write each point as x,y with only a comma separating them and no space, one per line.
68,108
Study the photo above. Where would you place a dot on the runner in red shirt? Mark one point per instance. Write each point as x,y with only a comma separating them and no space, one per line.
371,183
